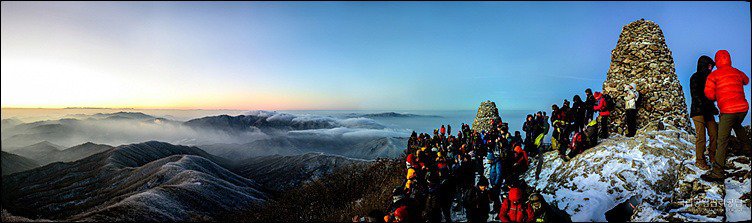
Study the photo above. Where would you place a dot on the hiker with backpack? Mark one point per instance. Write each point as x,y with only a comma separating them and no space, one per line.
603,107
591,133
630,99
577,145
514,208
558,137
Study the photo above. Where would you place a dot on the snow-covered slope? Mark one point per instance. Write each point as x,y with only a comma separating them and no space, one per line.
656,167
150,181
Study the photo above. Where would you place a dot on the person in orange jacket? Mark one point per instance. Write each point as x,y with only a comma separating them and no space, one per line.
725,85
521,161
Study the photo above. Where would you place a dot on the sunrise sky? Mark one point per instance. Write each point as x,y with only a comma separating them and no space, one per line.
338,55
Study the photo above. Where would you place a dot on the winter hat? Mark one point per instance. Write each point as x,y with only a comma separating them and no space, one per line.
483,181
434,149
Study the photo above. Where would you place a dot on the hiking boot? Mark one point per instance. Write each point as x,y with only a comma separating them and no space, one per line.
712,176
702,165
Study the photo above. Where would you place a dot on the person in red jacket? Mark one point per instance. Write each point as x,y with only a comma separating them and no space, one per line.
603,112
521,161
726,86
513,209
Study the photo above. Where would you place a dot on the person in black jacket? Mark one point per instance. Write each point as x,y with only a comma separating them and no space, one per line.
578,110
702,112
477,202
530,133
589,103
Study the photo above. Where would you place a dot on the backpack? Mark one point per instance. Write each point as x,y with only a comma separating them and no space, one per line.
610,106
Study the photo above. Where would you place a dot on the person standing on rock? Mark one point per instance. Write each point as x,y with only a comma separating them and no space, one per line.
726,86
590,102
602,108
578,109
702,112
631,105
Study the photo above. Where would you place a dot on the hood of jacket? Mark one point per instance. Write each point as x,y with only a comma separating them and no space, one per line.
702,64
597,95
722,59
515,194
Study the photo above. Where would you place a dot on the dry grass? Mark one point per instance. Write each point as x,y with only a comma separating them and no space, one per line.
349,191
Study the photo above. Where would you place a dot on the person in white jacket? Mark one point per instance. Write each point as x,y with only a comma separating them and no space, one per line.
631,105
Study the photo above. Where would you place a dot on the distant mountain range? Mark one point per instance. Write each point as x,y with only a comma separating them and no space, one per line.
390,115
257,133
12,163
46,152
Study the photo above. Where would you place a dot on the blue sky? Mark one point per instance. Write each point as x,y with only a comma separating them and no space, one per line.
339,55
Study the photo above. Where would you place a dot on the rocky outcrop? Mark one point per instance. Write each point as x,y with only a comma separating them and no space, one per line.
642,57
486,112
656,167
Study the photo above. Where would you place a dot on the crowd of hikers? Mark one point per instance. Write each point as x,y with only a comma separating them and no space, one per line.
479,173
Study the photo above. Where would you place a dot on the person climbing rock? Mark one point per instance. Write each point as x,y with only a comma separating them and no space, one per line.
630,99
725,85
703,112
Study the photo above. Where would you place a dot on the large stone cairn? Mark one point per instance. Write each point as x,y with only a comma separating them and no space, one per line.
642,57
486,112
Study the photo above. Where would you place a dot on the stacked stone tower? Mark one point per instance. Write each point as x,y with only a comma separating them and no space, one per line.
642,57
486,112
